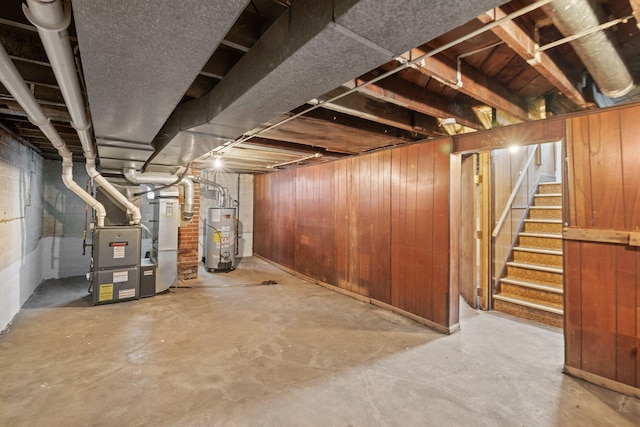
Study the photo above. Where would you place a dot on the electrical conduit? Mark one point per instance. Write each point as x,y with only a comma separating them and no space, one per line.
51,20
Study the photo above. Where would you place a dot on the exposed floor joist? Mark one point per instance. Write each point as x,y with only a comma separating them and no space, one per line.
400,92
523,44
472,83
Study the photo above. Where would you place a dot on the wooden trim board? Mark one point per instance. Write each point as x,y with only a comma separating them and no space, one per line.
620,237
603,382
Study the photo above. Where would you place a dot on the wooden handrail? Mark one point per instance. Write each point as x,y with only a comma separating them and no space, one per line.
512,196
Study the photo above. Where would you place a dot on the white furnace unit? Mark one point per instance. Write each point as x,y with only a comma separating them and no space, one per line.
220,239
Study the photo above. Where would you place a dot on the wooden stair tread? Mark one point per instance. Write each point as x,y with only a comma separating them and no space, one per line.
548,194
544,220
549,183
530,304
539,250
532,285
538,267
549,235
547,207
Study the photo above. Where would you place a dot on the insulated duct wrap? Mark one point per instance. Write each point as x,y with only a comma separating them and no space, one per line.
598,51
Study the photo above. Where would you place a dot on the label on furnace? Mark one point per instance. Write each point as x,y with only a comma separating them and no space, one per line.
118,252
120,276
127,293
105,292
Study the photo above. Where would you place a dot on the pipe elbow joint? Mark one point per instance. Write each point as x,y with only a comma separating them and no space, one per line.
187,216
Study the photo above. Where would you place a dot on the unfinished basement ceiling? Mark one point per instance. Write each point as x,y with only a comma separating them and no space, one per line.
161,96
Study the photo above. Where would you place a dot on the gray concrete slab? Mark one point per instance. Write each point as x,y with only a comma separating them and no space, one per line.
224,350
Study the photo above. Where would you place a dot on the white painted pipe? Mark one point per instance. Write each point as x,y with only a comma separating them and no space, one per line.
13,81
188,205
52,21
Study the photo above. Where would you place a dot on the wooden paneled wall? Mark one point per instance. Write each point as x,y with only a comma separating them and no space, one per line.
376,225
602,281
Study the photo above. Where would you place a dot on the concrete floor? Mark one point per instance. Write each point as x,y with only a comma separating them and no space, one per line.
226,352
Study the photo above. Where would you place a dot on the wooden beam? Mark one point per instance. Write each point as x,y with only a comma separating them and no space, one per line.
400,92
382,112
523,44
535,132
337,132
620,237
472,83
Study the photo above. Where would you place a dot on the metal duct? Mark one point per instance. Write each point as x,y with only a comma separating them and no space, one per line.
188,205
13,81
51,20
598,51
139,58
314,47
223,192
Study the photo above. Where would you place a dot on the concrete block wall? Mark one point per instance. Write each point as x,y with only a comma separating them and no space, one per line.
241,189
21,225
64,216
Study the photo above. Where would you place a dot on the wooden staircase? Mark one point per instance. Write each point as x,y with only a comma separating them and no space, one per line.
532,287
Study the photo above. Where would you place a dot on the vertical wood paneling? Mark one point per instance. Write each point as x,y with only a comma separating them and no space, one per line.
580,172
261,216
455,206
424,233
467,227
630,143
599,321
606,173
637,319
412,279
602,299
354,240
342,227
382,245
376,224
441,234
573,303
626,322
283,195
398,226
420,230
314,218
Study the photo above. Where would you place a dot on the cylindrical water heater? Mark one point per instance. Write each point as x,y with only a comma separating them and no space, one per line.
220,243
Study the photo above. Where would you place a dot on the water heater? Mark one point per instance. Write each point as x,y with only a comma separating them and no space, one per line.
220,243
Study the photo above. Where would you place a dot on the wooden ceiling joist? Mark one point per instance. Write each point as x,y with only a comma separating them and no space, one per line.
472,83
400,92
382,112
523,44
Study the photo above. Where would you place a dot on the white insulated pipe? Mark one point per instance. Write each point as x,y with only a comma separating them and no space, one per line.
188,206
13,81
52,21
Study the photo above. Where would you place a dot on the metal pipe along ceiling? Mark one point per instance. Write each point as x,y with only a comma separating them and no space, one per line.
51,20
598,51
13,81
188,205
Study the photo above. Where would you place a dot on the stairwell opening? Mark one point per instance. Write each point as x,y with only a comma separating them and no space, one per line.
510,231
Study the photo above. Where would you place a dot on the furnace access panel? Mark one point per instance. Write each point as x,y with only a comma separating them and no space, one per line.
116,257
